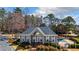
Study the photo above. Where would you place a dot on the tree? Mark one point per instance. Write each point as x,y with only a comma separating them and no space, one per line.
53,27
33,19
26,18
51,17
17,10
2,12
70,27
68,20
43,25
69,23
60,29
2,19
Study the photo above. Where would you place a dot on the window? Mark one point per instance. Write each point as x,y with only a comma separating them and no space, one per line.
27,40
40,40
53,40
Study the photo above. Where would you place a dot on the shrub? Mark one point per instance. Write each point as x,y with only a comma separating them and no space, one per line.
23,44
77,45
42,47
76,39
74,46
55,45
52,48
48,44
38,48
19,47
29,46
17,42
10,40
47,48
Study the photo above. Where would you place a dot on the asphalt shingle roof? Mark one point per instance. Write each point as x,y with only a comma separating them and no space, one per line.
45,30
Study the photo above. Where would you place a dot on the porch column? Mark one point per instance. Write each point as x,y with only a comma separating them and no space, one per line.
31,39
50,39
44,39
36,39
25,38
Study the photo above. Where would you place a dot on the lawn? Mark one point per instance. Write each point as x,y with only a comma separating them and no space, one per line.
76,39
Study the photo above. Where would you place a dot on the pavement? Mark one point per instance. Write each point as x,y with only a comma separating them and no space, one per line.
73,49
4,46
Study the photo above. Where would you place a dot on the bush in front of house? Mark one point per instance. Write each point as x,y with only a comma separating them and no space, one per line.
46,48
51,48
40,48
17,42
77,45
19,47
23,44
53,44
28,46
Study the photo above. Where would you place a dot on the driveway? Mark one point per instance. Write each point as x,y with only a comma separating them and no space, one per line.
4,46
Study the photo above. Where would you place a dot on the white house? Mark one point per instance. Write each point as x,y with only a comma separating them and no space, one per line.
38,34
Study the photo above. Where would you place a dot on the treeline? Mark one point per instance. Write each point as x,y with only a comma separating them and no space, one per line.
62,26
16,22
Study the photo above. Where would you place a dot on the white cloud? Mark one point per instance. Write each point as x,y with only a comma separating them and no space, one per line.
60,12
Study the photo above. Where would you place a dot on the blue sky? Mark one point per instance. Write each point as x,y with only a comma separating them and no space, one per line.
28,10
59,12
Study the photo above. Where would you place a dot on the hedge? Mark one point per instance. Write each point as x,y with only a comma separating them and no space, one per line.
76,39
74,46
53,44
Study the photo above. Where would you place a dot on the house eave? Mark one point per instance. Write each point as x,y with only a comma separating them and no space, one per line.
30,35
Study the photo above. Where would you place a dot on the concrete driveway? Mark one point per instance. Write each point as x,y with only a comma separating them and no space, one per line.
4,46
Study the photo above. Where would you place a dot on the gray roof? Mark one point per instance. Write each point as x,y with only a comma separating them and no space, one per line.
29,30
45,30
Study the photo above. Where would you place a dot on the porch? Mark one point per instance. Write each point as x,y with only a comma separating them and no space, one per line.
38,39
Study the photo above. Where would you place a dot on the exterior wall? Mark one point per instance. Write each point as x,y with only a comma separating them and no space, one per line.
42,39
51,39
25,39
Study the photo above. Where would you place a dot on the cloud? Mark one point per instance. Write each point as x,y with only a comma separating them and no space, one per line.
59,12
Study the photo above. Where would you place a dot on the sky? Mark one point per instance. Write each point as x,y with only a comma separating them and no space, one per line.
59,12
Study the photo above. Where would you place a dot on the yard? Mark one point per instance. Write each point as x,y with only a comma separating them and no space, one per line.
76,39
25,46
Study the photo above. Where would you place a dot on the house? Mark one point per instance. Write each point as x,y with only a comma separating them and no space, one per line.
38,34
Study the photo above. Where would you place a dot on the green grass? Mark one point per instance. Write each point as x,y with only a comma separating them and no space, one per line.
76,39
74,46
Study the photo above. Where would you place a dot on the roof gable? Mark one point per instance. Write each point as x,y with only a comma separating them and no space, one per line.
42,30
